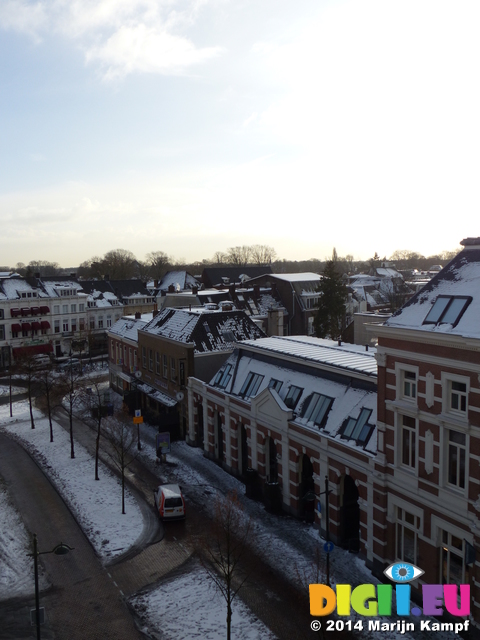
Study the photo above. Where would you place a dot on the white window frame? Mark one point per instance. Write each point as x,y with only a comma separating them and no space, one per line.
400,370
413,435
448,447
402,524
447,380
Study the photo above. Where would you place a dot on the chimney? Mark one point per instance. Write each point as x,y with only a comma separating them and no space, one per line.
171,288
231,289
256,289
194,290
106,277
155,284
138,315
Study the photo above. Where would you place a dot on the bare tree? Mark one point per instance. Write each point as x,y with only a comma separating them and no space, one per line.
51,392
312,573
263,254
158,263
224,549
239,255
71,381
122,449
119,264
92,398
25,366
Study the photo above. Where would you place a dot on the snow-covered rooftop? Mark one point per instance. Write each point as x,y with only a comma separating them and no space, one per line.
298,277
347,356
460,278
128,327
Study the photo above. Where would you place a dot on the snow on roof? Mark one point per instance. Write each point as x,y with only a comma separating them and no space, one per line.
206,330
297,277
347,356
348,400
461,277
127,327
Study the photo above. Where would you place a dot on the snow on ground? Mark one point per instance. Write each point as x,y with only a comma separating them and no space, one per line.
16,568
190,606
5,390
96,504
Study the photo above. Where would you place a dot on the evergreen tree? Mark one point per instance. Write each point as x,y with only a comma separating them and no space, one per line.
330,317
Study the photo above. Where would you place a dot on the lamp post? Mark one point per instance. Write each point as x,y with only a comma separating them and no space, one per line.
60,550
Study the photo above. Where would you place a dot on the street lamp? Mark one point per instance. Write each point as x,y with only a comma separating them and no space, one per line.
60,550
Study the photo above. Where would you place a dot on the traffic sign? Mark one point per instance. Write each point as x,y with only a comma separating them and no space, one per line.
328,547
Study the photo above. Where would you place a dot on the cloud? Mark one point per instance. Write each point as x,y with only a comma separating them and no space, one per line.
119,36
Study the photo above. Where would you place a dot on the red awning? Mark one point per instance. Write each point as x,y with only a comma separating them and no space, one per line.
44,310
16,328
25,311
35,311
20,352
36,326
44,324
26,326
15,312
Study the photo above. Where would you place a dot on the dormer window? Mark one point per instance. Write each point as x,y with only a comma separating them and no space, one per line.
447,310
293,396
358,429
316,409
251,385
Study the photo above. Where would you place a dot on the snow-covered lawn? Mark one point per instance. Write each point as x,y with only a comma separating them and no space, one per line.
96,504
189,606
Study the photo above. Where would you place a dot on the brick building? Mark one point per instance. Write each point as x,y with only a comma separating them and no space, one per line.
286,412
429,429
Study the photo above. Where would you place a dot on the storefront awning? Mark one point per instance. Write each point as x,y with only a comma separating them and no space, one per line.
36,326
163,398
16,328
44,310
26,326
15,312
44,324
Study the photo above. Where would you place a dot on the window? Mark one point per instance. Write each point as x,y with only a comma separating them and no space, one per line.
109,321
112,346
316,409
251,384
81,307
275,384
408,385
74,324
2,332
293,396
144,357
165,366
56,308
1,314
81,323
406,528
92,323
223,377
150,359
182,373
157,363
228,335
447,310
358,429
73,308
64,308
56,326
173,369
456,458
100,322
65,325
409,440
453,552
457,396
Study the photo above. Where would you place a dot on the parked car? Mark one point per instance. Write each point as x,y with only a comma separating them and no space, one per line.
71,363
169,502
41,361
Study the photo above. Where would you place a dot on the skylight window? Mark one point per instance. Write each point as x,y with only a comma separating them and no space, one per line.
275,384
228,335
251,385
358,429
223,377
317,408
293,396
447,310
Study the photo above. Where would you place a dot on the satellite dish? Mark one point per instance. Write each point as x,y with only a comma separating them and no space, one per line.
180,396
138,374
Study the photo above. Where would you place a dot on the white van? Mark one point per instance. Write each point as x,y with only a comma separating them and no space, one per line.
169,502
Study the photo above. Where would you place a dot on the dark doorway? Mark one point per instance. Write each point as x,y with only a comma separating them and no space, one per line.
349,515
243,457
272,461
218,437
200,436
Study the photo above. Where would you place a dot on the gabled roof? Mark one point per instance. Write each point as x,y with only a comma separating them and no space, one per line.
181,281
347,399
121,288
127,327
206,330
459,278
213,276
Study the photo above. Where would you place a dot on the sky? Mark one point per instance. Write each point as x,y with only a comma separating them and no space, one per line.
191,126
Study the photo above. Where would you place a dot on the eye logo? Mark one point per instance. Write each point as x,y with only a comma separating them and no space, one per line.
403,572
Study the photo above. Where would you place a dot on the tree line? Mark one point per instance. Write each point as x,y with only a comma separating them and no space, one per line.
122,264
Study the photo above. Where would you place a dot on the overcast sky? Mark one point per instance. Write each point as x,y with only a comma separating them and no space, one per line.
189,126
